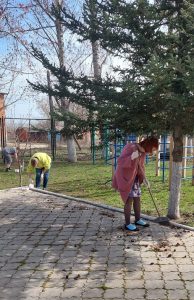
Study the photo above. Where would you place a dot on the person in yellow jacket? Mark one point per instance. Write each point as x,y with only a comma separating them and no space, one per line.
41,163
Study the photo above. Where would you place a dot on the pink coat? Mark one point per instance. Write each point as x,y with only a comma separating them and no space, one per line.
127,169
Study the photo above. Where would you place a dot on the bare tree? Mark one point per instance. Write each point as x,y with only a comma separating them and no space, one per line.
34,23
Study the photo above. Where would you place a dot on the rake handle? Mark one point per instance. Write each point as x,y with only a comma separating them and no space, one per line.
153,201
149,190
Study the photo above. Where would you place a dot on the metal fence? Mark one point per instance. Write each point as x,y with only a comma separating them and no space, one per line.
39,135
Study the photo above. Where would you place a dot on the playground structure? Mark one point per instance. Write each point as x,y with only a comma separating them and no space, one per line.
164,163
112,145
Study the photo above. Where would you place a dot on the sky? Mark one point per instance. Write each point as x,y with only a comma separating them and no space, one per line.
14,72
12,81
19,92
23,109
21,100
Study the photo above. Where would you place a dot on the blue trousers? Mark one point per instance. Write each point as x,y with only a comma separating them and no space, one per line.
45,178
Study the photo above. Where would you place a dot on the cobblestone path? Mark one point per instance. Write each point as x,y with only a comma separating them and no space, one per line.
53,248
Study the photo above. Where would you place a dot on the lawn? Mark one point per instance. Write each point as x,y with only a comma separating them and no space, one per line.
93,182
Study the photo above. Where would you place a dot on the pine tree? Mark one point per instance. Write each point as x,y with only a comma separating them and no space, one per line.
155,91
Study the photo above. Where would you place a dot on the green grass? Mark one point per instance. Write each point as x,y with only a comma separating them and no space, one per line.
92,182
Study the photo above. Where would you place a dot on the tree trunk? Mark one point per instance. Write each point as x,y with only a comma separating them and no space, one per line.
175,188
96,64
174,199
71,155
71,148
97,75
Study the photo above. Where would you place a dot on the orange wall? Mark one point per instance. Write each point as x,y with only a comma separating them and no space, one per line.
2,110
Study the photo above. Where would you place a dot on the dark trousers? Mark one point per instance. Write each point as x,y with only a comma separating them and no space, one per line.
45,178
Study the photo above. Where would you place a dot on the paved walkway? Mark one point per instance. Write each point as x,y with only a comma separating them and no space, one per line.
53,248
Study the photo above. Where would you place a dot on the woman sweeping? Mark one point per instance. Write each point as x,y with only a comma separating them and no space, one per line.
129,175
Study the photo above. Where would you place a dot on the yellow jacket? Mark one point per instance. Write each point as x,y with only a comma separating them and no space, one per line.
44,161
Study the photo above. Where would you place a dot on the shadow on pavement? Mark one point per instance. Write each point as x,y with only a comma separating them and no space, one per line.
52,248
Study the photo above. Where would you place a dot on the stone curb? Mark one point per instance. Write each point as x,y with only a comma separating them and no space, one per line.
115,209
